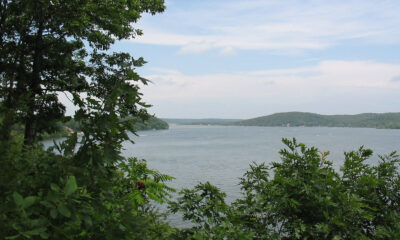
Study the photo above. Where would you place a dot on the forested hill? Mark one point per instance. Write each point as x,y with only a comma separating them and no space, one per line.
292,119
64,129
152,123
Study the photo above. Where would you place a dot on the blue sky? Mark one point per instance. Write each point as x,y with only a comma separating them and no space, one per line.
243,59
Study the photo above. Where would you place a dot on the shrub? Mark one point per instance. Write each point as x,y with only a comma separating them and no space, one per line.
302,197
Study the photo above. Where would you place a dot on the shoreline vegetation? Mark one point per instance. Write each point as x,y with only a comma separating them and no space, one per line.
305,119
72,126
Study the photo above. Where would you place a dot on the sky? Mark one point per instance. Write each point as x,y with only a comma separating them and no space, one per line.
249,58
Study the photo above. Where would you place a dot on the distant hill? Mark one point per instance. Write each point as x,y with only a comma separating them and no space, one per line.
204,121
64,129
152,123
295,119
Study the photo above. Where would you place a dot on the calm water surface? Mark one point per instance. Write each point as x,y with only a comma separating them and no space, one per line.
222,154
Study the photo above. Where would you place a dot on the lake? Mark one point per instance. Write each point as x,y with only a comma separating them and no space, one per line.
222,154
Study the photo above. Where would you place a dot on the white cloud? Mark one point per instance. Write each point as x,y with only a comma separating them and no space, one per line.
250,84
228,42
195,47
227,51
322,85
274,25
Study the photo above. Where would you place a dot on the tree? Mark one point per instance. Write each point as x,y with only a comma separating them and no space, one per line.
73,191
301,197
49,47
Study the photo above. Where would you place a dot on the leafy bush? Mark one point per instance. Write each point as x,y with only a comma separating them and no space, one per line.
301,197
50,196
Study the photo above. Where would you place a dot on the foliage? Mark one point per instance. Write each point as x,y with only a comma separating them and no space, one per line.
152,123
48,202
293,119
206,208
301,197
81,188
65,129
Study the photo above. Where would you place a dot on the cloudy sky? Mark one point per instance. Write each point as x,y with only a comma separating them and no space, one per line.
248,58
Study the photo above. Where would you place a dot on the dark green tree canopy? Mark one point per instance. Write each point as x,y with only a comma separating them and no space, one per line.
52,47
73,191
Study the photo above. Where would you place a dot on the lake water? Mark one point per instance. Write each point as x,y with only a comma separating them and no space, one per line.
222,154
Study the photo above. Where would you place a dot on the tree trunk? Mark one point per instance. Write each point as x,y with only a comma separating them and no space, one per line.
35,89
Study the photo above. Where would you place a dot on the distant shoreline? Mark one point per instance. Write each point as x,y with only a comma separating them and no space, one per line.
71,127
304,119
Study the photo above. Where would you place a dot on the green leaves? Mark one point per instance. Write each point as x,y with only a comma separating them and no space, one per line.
53,213
63,210
63,47
23,202
18,199
301,197
147,185
28,201
70,186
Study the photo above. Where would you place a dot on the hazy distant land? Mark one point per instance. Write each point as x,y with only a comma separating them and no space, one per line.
203,121
297,119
